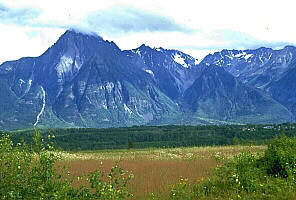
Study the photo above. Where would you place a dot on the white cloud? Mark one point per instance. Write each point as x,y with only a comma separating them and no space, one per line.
220,24
17,42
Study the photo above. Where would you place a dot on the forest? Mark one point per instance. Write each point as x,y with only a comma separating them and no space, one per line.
77,139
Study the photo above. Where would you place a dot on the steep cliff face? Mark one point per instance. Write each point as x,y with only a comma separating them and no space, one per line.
112,93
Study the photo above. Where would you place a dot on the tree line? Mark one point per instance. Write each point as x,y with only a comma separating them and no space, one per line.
75,139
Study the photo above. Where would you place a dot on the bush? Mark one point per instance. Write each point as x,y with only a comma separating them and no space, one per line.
29,172
280,157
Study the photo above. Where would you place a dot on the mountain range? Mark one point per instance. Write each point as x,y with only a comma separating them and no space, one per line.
85,81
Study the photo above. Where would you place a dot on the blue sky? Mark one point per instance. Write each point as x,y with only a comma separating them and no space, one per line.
29,27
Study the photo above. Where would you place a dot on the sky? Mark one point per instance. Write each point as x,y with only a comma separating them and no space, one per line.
196,27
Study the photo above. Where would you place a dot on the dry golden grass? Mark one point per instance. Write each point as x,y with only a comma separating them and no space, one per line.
155,170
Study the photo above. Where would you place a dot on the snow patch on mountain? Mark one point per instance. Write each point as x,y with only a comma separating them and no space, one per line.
244,55
64,66
21,81
138,52
77,65
219,62
248,56
260,58
158,49
230,57
149,72
29,86
239,55
196,61
42,108
109,86
8,68
127,109
71,96
178,59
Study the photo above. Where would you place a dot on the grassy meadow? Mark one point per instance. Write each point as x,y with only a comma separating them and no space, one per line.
32,168
156,170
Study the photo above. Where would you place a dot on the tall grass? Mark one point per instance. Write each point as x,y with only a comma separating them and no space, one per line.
150,176
248,176
156,170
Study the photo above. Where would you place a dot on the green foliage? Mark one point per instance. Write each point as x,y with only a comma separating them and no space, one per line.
159,136
31,172
181,190
280,157
114,187
249,176
130,144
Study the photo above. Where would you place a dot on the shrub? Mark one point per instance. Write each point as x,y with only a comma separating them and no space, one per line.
280,157
114,187
29,172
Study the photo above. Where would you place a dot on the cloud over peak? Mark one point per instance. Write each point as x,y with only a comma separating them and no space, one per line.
118,20
18,16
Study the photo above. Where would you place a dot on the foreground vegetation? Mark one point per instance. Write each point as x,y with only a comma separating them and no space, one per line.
37,171
156,170
30,172
248,176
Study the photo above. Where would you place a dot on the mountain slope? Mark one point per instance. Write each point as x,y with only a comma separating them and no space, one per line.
86,81
255,67
82,80
216,94
103,95
284,89
173,71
